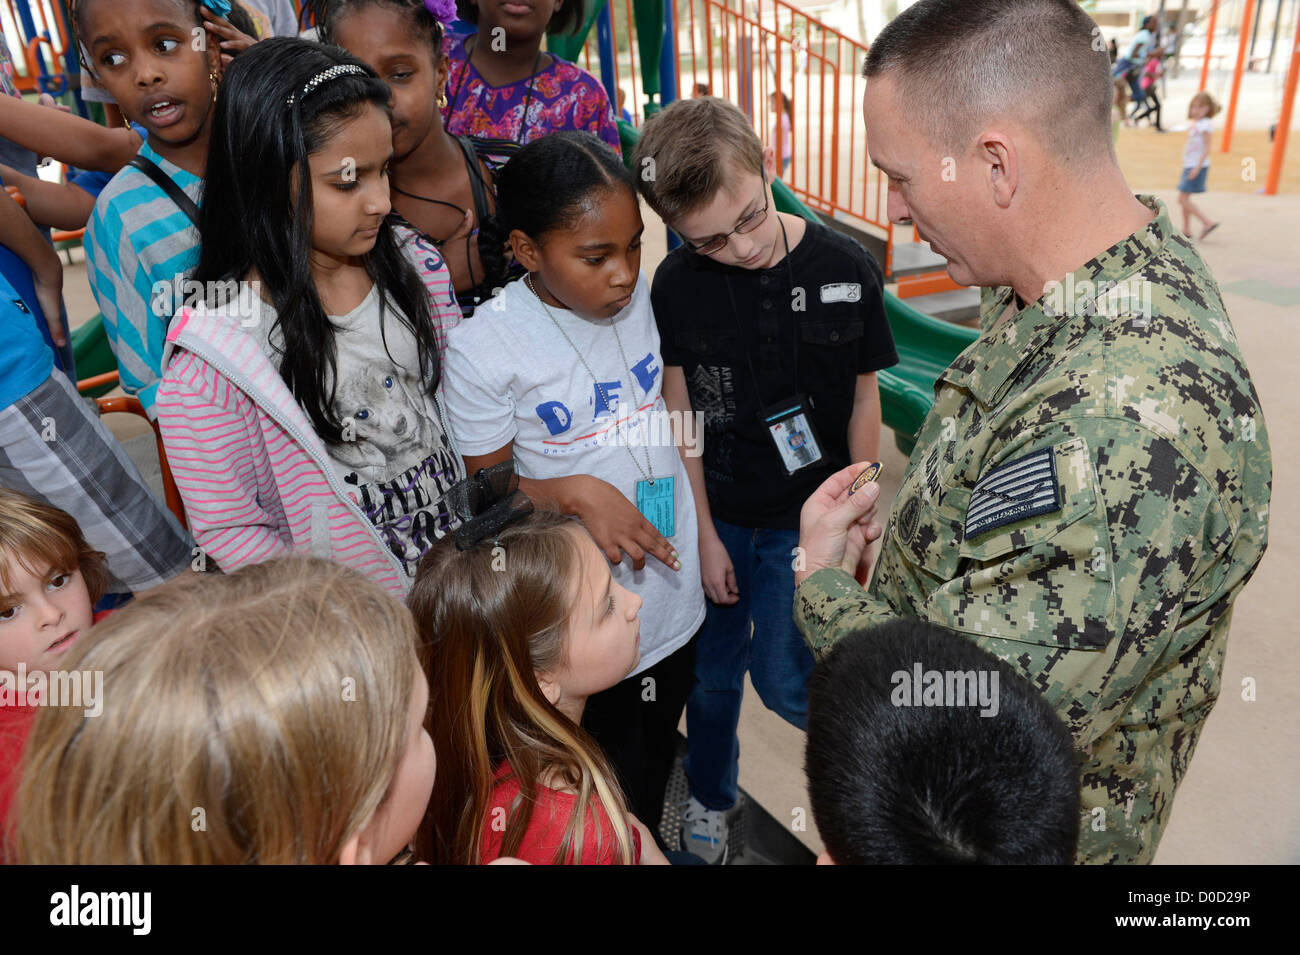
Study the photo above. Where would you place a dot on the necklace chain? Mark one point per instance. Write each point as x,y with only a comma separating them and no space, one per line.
603,396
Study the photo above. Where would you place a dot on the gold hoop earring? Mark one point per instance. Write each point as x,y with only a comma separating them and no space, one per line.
442,100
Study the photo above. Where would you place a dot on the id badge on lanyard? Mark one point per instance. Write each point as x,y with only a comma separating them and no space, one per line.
789,424
654,499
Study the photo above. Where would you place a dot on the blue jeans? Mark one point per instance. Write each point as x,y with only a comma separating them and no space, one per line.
777,658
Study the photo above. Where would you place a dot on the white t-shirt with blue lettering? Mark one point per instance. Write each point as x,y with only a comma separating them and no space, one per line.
510,375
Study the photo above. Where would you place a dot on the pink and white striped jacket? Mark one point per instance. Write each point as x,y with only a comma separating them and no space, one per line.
256,480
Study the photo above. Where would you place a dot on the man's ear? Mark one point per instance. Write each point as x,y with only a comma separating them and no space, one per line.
825,858
526,250
998,153
550,688
769,164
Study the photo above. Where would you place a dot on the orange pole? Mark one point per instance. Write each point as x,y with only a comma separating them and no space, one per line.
835,127
1284,122
1236,76
1209,42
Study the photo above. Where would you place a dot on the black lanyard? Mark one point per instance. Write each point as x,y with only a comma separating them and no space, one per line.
735,311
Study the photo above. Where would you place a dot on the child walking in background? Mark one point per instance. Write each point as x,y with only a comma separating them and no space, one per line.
1151,74
781,110
283,702
561,372
1196,161
442,185
50,579
1118,109
143,230
503,86
302,413
523,625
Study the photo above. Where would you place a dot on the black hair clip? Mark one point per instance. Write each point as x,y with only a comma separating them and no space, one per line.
487,502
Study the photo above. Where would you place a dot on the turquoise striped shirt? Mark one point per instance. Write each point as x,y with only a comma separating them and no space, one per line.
136,238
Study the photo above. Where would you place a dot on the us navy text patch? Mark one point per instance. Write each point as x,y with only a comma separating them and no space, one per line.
841,292
1013,491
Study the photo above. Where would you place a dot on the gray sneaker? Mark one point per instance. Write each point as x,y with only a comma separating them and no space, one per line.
704,832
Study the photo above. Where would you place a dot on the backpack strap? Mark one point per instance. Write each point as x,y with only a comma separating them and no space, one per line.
167,185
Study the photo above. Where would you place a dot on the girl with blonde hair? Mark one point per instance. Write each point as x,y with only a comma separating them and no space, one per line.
1196,161
272,715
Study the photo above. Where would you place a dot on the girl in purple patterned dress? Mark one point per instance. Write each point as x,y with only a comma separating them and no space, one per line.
503,86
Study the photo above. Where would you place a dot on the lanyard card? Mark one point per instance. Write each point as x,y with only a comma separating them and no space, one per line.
792,433
654,499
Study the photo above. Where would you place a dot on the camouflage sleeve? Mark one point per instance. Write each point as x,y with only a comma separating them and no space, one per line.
830,604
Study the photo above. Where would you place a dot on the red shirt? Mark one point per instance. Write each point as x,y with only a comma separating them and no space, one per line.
15,724
546,827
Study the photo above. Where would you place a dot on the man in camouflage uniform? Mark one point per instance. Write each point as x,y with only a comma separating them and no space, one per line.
1085,500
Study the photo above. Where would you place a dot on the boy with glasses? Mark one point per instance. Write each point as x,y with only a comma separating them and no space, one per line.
772,328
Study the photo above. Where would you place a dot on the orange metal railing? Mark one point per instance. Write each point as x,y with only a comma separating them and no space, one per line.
748,51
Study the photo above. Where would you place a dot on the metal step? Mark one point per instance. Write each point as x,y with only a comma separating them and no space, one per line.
961,307
914,258
754,835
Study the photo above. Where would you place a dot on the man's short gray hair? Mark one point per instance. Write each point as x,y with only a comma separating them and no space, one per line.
959,64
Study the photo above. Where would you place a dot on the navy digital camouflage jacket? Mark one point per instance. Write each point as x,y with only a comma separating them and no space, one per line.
1086,499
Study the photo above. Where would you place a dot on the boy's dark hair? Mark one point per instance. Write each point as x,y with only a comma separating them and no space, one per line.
893,782
327,13
691,151
959,64
565,20
547,185
237,18
248,221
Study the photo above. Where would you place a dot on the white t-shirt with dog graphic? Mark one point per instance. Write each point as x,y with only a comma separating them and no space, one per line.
397,461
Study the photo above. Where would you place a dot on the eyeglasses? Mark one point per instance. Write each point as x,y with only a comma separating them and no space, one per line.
748,224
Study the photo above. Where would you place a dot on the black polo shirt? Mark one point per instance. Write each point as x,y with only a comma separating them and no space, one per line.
736,334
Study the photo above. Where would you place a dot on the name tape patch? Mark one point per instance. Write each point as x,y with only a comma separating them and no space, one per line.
1026,487
841,292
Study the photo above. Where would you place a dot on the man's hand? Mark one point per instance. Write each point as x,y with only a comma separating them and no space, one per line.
716,570
835,529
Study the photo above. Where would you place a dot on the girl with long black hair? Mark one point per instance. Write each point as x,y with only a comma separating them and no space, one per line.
300,406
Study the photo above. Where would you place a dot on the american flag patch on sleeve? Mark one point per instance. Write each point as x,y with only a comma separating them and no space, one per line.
1026,487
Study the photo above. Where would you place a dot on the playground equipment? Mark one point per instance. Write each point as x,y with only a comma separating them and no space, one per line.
94,357
1243,62
43,56
128,404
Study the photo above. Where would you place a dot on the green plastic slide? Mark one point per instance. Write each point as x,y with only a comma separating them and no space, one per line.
926,345
92,353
